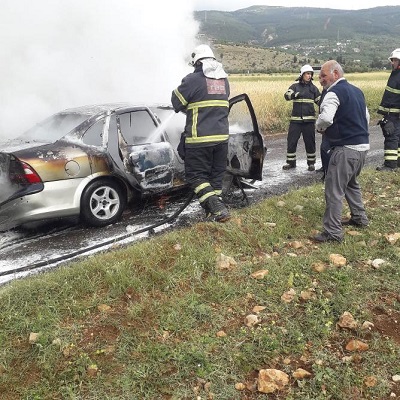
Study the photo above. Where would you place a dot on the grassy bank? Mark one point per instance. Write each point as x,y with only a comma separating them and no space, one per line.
163,319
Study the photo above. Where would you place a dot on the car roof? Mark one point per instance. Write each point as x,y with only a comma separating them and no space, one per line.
110,107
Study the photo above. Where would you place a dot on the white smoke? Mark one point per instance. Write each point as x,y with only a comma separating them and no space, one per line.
65,53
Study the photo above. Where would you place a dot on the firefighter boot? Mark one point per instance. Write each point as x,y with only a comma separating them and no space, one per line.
289,165
216,209
311,167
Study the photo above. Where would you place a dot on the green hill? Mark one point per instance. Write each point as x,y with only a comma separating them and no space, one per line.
362,39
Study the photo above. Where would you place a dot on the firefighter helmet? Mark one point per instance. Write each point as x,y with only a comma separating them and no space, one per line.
306,68
200,52
395,54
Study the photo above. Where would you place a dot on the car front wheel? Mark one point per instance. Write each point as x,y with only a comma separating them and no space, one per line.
102,203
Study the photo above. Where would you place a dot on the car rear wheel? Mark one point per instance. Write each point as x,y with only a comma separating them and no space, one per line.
102,203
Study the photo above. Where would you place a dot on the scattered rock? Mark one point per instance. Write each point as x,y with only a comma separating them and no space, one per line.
221,334
270,224
92,370
281,203
346,320
103,307
251,320
258,309
240,386
301,373
370,381
308,294
367,325
396,378
271,380
225,262
377,263
337,260
318,266
296,244
33,337
356,345
177,247
353,233
288,296
392,238
261,274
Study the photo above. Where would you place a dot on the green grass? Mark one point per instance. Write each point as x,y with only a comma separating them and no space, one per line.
158,337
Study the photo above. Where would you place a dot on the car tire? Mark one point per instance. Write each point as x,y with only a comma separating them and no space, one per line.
102,203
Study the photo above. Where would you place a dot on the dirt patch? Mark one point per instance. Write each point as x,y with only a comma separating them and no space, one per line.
388,324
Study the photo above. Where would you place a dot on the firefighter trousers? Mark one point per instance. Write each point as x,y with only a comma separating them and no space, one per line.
205,168
391,145
294,133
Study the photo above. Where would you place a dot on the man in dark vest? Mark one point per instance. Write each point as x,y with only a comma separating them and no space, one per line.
344,120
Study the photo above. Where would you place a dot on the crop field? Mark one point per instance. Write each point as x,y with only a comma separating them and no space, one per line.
273,111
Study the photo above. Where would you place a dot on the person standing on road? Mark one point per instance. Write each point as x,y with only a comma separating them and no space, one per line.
304,95
203,95
390,123
344,119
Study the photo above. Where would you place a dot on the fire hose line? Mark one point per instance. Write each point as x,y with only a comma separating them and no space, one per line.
66,257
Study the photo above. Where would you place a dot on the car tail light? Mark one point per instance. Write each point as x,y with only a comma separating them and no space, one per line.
30,174
23,173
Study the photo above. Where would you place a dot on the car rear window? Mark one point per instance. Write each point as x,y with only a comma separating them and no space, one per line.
55,127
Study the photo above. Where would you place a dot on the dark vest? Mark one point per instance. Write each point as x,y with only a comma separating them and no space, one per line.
350,125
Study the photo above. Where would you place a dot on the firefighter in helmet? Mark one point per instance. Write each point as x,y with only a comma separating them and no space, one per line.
304,95
203,96
390,122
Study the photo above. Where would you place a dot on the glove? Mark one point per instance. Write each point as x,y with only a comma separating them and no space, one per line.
181,146
387,127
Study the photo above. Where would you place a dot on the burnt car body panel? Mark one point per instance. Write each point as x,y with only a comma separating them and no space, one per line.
94,159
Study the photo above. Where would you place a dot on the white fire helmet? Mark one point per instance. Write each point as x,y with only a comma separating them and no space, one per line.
395,54
201,51
306,68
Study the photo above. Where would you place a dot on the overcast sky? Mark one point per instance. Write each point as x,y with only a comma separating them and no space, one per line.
66,53
232,5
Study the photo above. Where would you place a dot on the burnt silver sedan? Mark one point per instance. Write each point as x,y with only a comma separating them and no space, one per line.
92,161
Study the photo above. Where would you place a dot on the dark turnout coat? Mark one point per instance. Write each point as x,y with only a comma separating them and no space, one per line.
205,102
303,103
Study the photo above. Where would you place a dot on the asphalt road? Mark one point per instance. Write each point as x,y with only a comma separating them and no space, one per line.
21,248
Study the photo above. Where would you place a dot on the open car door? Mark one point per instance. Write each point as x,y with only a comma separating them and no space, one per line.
146,156
246,148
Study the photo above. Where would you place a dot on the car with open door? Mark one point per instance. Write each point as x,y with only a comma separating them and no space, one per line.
92,161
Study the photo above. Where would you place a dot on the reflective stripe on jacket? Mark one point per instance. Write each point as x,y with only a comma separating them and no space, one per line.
205,102
390,104
303,105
